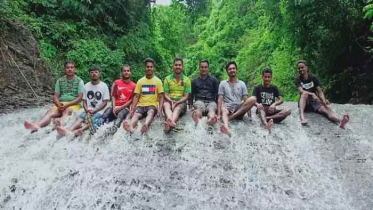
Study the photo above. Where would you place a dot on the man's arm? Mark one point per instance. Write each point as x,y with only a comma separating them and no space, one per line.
85,106
321,95
183,99
161,100
75,101
192,94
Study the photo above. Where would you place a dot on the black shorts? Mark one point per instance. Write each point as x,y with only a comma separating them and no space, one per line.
311,106
143,110
234,109
266,110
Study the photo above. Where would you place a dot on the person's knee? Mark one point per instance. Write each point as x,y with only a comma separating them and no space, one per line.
250,100
287,112
304,96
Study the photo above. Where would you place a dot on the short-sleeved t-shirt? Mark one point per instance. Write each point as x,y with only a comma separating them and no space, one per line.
232,93
176,89
69,89
205,89
122,91
308,85
148,89
94,95
266,96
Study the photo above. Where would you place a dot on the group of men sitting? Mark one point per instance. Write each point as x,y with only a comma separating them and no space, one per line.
224,101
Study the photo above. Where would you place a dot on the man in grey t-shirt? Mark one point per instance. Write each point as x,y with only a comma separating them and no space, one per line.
233,102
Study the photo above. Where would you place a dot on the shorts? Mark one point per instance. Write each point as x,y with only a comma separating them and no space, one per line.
95,117
234,109
73,107
266,110
143,110
205,106
312,106
183,108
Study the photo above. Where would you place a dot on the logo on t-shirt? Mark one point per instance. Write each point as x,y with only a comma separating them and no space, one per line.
148,89
307,85
94,97
267,98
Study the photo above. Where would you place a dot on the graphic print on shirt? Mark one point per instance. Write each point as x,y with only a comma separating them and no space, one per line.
148,89
267,98
307,86
94,97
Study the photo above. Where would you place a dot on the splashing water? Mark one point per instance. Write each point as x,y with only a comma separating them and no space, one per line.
314,167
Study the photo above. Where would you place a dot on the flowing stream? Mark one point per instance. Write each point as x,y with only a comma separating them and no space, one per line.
315,167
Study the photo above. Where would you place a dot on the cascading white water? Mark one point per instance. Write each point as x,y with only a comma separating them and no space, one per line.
314,167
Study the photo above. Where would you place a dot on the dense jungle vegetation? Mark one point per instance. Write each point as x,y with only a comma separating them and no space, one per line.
334,36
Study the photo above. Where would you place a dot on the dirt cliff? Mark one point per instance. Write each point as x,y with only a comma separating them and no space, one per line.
25,80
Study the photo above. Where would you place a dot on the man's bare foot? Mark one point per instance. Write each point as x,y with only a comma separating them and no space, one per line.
249,115
303,121
344,121
78,132
269,125
127,126
56,123
144,128
171,123
195,117
62,131
167,127
212,120
31,126
225,130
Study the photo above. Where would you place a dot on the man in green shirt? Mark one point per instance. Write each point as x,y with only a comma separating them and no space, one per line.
68,94
177,88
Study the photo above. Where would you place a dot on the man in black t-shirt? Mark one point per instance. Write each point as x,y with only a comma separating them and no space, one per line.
312,97
204,95
267,98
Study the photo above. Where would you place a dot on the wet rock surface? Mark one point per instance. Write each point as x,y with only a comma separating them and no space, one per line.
319,166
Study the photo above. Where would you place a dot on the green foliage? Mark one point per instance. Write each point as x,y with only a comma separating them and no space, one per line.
87,52
333,36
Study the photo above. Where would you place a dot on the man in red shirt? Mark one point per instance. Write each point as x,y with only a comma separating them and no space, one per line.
121,98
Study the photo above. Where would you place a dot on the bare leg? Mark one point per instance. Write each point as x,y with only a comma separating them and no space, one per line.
149,118
249,103
279,116
46,120
129,125
211,117
75,126
302,106
224,127
169,114
332,117
79,131
328,113
196,115
167,127
176,114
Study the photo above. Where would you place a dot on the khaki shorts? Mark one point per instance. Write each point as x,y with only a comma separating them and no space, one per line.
205,107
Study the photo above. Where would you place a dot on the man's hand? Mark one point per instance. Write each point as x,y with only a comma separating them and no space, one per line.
218,117
60,107
64,107
117,109
272,108
314,96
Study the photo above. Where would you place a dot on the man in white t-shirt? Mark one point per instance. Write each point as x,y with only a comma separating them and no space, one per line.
95,97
